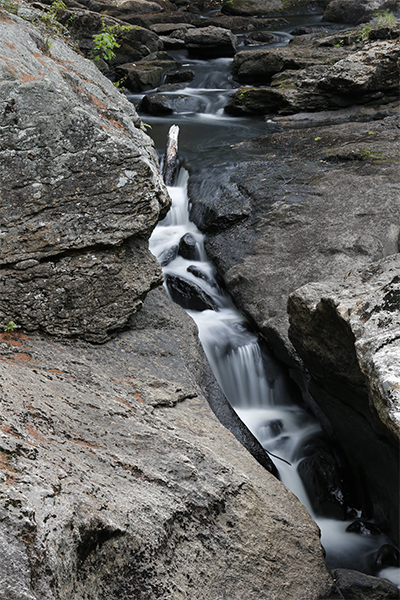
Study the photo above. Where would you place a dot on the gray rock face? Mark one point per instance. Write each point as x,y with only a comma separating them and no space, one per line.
312,204
118,480
81,192
348,337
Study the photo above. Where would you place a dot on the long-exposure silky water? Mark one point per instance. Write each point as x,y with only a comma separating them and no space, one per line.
255,385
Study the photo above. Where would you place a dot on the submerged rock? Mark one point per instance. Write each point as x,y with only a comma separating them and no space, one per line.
189,295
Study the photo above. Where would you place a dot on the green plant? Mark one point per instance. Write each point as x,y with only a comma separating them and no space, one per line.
316,139
9,328
49,18
364,33
146,125
340,44
105,42
46,45
385,18
10,6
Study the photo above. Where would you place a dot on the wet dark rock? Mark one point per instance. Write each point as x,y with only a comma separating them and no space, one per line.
272,7
218,204
387,556
168,256
188,247
189,295
348,337
213,281
134,44
170,29
259,37
146,74
293,195
354,585
324,485
179,76
363,528
164,104
171,43
312,78
210,42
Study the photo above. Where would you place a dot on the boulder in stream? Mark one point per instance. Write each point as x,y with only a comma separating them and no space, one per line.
210,42
189,295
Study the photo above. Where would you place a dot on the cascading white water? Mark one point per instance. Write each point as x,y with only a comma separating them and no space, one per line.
261,399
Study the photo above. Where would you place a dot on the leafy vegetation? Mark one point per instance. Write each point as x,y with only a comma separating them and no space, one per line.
385,18
106,41
9,328
10,6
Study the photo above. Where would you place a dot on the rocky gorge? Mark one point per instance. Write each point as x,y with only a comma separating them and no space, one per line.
117,478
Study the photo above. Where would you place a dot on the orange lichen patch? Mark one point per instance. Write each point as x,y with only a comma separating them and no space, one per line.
87,444
97,102
4,18
9,430
114,380
25,78
10,45
137,396
114,123
126,404
56,371
5,467
22,357
35,434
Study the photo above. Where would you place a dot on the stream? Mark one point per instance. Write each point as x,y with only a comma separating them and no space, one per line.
256,385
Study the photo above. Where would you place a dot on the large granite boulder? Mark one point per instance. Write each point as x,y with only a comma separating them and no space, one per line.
348,336
118,481
81,191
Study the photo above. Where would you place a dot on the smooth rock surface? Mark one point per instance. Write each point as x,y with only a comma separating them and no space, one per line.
81,192
118,481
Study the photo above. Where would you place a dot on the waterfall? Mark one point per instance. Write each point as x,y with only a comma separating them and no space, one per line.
261,398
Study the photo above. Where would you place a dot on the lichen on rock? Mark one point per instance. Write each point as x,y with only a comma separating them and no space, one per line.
80,189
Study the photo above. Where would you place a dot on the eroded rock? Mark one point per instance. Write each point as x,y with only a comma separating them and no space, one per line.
81,192
348,336
116,473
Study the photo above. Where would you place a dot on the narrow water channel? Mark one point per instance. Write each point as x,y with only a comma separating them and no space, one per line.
255,384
